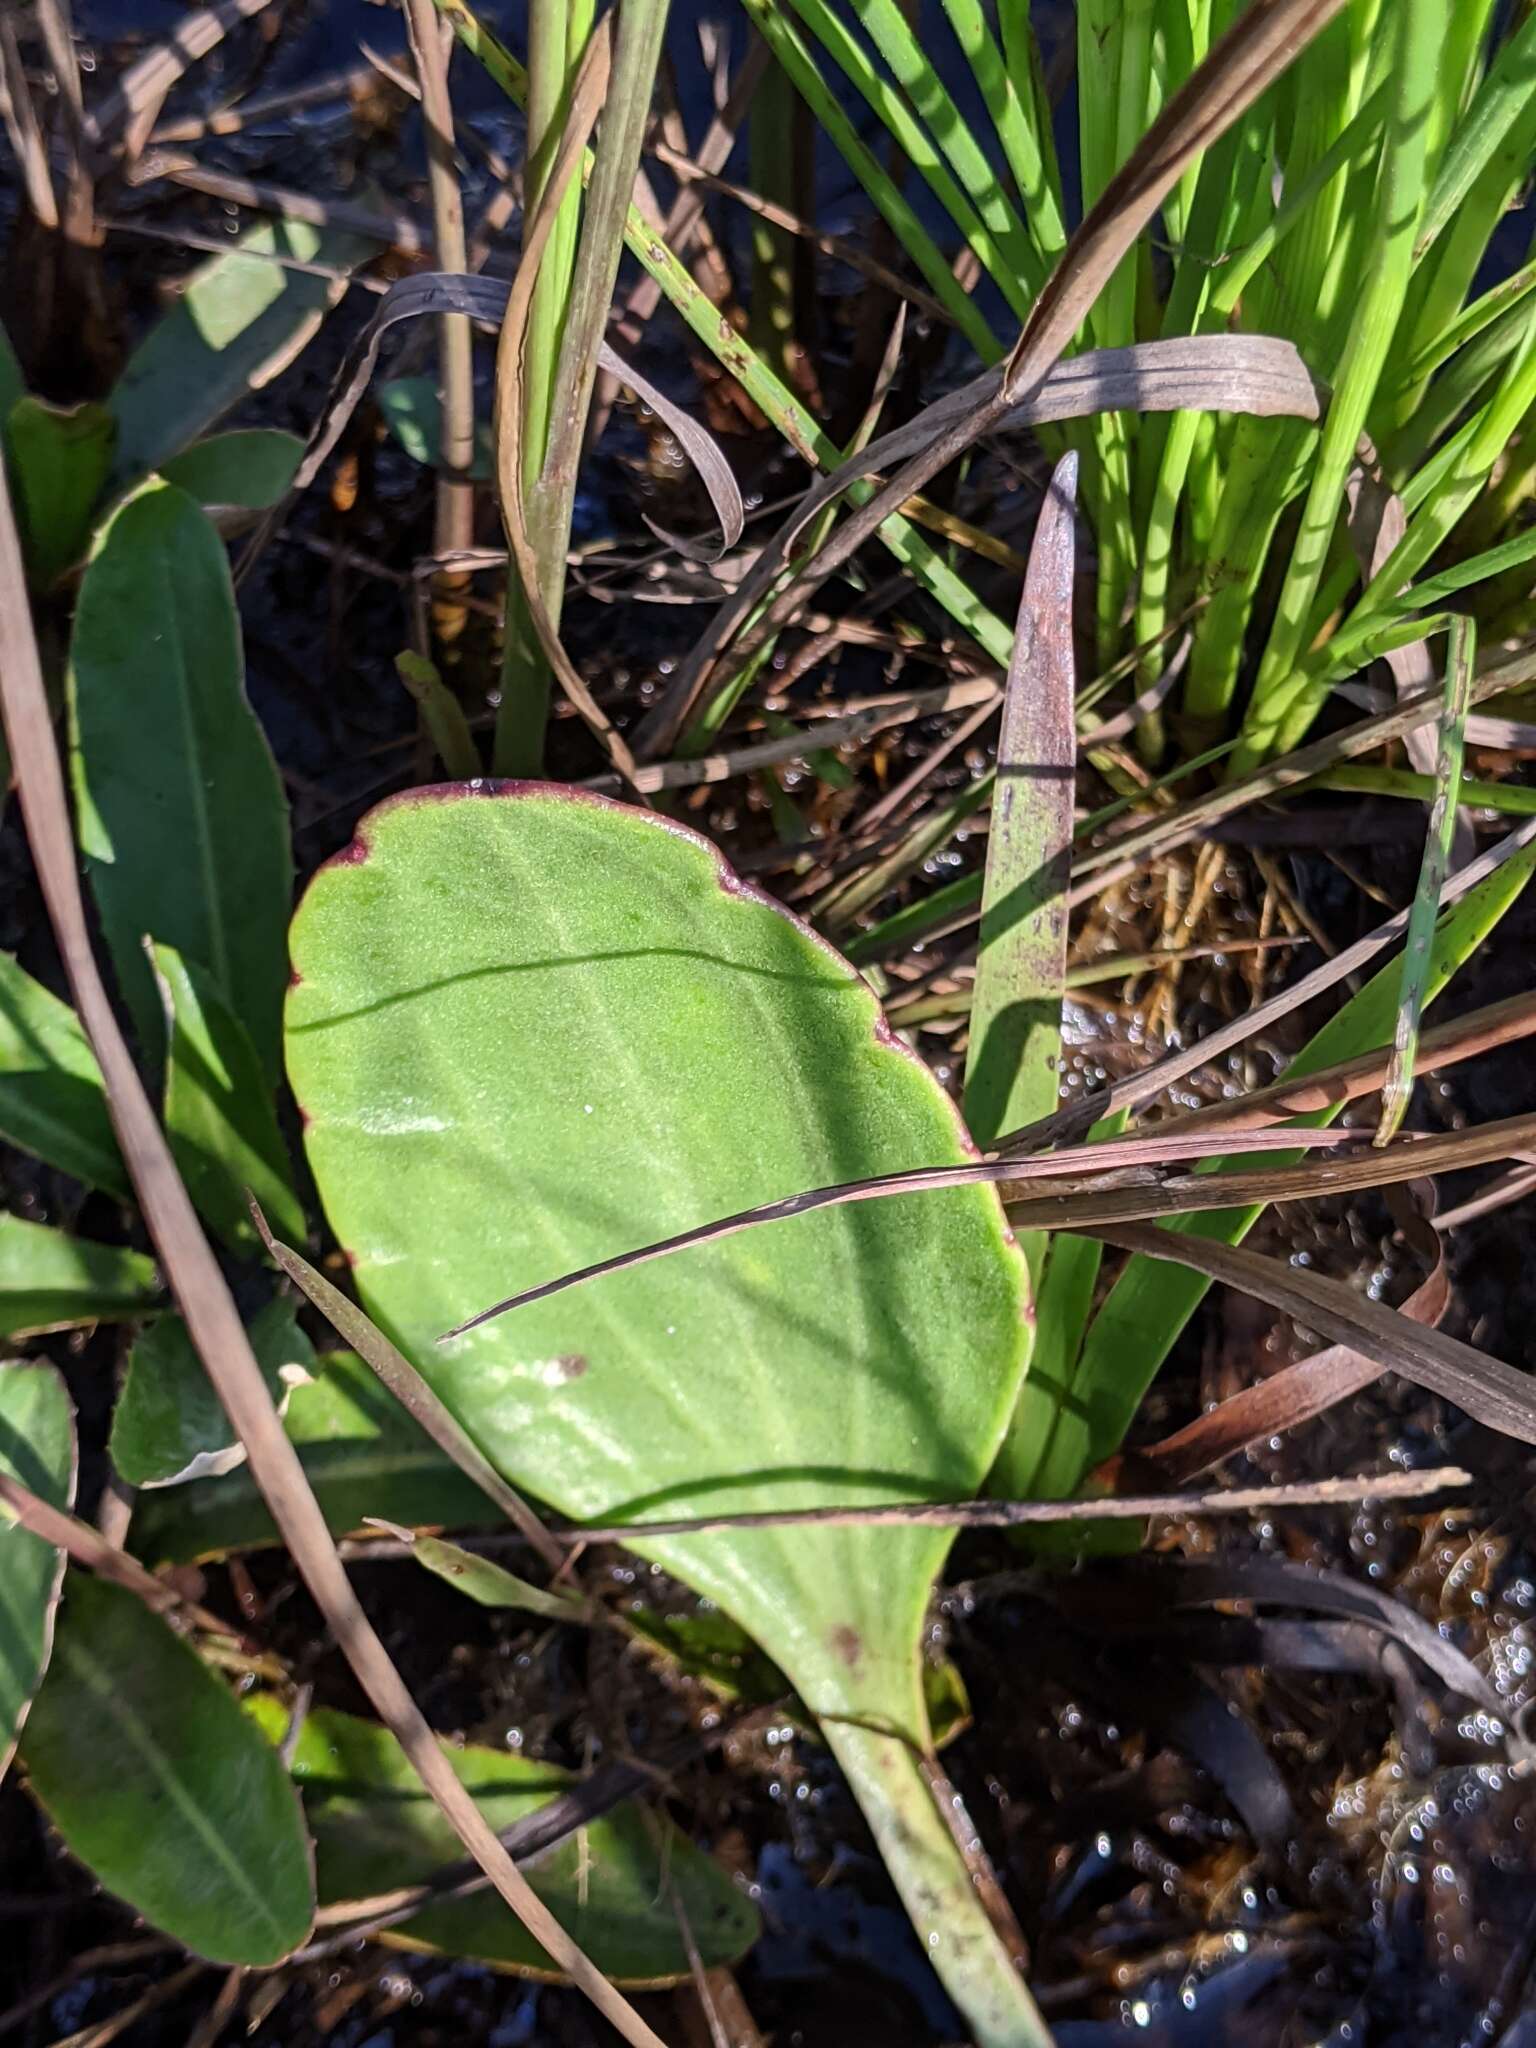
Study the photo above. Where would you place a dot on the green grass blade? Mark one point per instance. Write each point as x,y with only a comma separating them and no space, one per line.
1419,27
1437,853
791,51
1012,1069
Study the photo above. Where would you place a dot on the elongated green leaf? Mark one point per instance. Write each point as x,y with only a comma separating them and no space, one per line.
168,1425
161,1785
52,1103
611,1884
1398,1087
219,1114
363,1456
682,1048
241,319
1013,1066
250,468
37,1448
482,1580
1151,1302
181,815
59,460
52,1281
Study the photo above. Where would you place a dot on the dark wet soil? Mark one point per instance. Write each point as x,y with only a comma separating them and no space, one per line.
1199,1850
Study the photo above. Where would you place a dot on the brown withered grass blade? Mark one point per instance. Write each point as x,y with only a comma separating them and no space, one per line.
1297,1394
205,1301
1110,1198
1123,1179
1139,1155
1447,1045
1495,1393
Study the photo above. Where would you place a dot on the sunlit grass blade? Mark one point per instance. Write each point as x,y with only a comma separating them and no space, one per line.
1419,29
1011,1074
1437,851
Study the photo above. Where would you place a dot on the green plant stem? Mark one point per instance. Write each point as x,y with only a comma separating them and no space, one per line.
921,1854
557,33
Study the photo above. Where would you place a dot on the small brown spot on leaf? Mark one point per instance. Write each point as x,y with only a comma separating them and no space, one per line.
848,1643
571,1367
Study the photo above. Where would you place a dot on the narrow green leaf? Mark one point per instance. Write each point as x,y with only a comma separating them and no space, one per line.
169,1425
59,462
251,468
685,1048
182,818
52,1103
52,1281
1012,1068
611,1884
219,1114
37,1449
442,714
241,318
361,1453
1460,655
482,1580
161,1785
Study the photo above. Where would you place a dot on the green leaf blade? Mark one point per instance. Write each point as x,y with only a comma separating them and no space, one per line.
241,319
161,1786
169,1426
249,469
181,814
50,1280
59,460
37,1449
359,1450
611,1884
665,997
52,1102
218,1110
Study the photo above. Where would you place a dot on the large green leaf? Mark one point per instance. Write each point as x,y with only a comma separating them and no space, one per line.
59,460
162,1786
529,1028
219,1113
182,817
1141,1317
52,1102
50,1280
37,1448
362,1454
611,1884
169,1425
241,318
